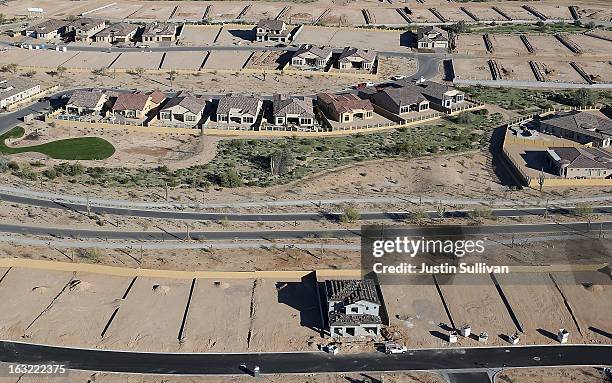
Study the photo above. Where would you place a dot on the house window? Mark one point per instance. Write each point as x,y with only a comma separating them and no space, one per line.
447,103
354,309
222,117
404,109
164,115
247,120
369,113
190,118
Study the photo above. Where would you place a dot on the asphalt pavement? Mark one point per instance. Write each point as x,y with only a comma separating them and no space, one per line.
162,235
306,362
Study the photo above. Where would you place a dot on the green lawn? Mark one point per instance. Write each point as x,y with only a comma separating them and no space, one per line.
83,148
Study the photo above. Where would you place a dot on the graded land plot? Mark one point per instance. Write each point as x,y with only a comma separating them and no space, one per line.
183,60
387,16
227,60
599,71
190,12
516,12
24,294
267,60
132,60
454,14
14,56
415,313
601,14
548,45
344,17
591,305
315,35
231,34
262,10
368,39
473,69
47,58
471,44
153,11
485,13
117,11
91,60
552,375
286,316
200,34
508,45
422,15
554,12
557,71
219,316
538,306
226,10
78,316
473,299
303,14
51,7
515,70
592,45
150,317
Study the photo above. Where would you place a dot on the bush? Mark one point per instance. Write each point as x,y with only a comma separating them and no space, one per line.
4,164
350,215
13,165
583,209
50,173
230,179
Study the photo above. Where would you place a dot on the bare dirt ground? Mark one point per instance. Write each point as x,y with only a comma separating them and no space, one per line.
552,375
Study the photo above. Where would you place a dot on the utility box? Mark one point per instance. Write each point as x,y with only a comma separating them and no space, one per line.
452,337
514,339
466,330
483,337
563,336
256,371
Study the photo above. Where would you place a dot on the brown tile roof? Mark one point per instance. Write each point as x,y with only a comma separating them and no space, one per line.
344,102
130,101
583,123
584,158
85,99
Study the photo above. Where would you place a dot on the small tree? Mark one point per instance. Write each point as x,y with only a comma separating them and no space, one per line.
350,215
172,75
281,162
11,68
60,70
583,209
139,71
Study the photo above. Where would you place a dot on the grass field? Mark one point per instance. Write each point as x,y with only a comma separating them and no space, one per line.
82,148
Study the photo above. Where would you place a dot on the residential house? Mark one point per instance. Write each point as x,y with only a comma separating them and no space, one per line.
86,103
582,127
183,109
345,107
116,33
272,30
47,30
432,37
82,29
353,308
238,109
132,105
311,57
158,32
293,111
585,162
401,100
356,59
16,89
441,95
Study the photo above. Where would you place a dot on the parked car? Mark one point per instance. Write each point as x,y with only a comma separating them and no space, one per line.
332,349
398,77
394,348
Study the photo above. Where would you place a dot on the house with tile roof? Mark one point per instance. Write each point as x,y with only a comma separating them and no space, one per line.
184,109
353,308
580,162
444,96
158,32
401,100
238,109
432,37
311,57
132,105
116,33
295,112
83,28
345,108
47,30
583,127
272,30
356,59
86,103
17,89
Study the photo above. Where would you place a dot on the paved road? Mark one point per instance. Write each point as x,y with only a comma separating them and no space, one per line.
469,377
305,363
161,234
278,217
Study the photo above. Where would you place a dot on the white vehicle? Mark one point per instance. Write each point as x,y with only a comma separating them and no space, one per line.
398,77
332,349
394,348
369,83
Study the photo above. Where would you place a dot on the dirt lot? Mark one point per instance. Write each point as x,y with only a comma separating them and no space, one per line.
552,375
454,14
516,70
600,71
227,60
477,69
91,60
118,11
548,45
155,11
471,44
507,45
556,71
199,34
183,60
133,60
592,45
554,12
